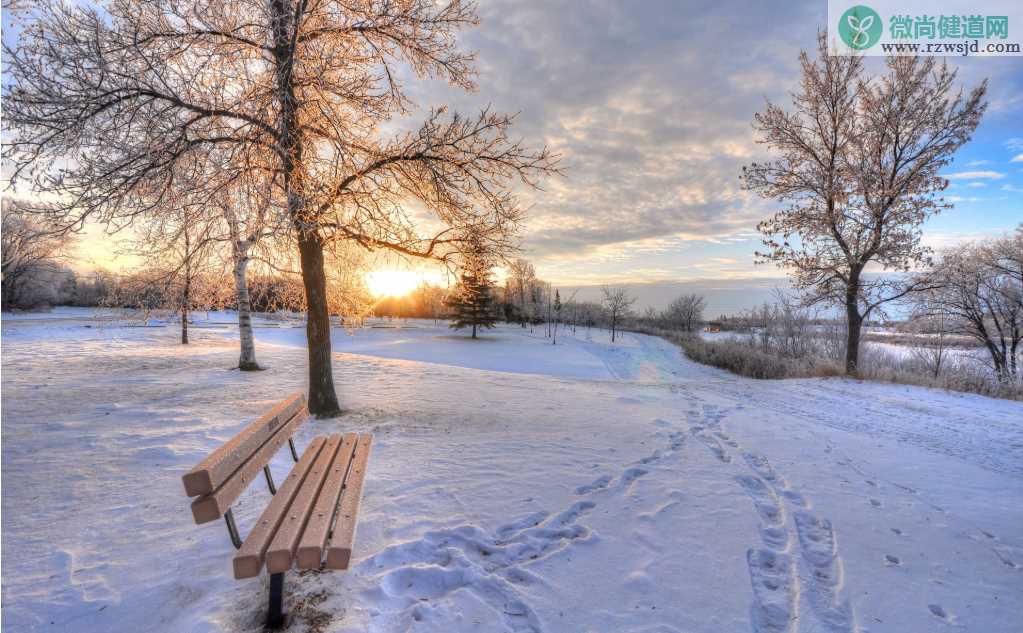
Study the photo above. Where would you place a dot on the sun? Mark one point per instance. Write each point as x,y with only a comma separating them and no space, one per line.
392,283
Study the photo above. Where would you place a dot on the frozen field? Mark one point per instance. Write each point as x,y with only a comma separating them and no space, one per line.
514,486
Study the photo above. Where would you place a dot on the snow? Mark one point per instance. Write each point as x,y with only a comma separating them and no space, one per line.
514,486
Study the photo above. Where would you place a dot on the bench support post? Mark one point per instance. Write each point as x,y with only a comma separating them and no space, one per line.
275,616
294,453
269,480
232,529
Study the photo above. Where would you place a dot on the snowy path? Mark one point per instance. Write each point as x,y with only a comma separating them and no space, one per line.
514,486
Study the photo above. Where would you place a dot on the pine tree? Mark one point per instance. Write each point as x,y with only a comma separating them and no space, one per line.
473,301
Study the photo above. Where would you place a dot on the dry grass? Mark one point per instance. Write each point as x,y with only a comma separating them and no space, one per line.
766,358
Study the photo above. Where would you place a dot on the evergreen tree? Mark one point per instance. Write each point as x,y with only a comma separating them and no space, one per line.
472,301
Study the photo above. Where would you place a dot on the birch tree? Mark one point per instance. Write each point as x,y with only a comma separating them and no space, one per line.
294,91
859,172
242,241
251,219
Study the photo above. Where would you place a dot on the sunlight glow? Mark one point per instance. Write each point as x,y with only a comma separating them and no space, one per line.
393,283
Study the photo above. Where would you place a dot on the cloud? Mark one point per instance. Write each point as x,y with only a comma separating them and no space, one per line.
970,175
939,240
1012,188
1017,159
976,185
653,125
653,122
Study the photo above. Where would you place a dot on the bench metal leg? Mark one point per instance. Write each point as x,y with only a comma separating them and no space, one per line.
269,480
294,453
232,529
275,617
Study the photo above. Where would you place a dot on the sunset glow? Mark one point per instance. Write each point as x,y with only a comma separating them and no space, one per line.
393,283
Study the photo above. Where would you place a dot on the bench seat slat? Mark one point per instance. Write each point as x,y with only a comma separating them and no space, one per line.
221,463
213,506
314,537
339,553
248,561
280,554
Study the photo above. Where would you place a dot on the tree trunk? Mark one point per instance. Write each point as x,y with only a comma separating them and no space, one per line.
184,323
186,291
474,330
322,397
247,354
854,323
240,254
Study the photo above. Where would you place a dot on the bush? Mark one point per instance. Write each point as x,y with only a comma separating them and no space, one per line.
739,357
786,350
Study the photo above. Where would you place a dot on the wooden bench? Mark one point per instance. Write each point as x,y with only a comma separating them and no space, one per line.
310,520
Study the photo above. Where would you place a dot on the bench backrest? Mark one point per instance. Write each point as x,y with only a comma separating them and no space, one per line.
220,478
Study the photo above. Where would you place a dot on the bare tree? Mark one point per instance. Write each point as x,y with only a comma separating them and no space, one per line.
859,170
685,312
521,276
934,323
347,293
292,91
429,301
618,303
29,251
980,289
179,250
257,231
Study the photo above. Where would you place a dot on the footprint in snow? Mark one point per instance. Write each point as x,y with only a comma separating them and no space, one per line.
773,579
428,577
796,498
875,502
651,458
1008,562
892,560
597,484
630,475
939,612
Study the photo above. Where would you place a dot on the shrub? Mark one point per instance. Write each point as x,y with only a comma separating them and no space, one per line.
812,353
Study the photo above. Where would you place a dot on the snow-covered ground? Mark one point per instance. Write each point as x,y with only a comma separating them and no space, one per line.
514,486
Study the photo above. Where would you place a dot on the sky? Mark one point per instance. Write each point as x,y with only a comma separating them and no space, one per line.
650,106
